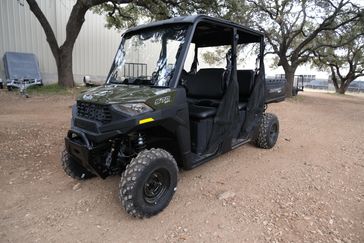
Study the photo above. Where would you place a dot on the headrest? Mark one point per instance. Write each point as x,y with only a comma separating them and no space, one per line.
206,83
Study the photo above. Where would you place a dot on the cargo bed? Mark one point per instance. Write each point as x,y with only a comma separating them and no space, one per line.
275,90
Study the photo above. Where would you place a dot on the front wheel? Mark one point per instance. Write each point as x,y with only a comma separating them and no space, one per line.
268,130
148,183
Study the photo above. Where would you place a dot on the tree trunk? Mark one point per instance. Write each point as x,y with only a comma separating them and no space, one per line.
344,85
334,81
289,74
64,68
63,54
341,90
289,87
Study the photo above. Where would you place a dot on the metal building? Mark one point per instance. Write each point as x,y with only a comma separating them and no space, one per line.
20,31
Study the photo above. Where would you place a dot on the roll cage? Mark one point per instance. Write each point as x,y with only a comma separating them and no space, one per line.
204,31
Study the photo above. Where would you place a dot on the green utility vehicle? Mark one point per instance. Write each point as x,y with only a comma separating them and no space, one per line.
161,109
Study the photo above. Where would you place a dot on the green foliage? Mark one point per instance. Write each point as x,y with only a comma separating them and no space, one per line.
214,57
127,15
130,14
342,52
291,27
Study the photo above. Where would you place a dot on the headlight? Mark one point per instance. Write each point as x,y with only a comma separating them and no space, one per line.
132,109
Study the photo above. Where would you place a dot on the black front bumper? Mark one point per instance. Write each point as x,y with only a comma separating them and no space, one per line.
89,156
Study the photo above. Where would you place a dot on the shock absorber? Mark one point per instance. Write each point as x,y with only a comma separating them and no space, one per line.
140,142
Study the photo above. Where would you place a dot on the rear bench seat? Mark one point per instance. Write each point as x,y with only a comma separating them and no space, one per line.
206,88
204,91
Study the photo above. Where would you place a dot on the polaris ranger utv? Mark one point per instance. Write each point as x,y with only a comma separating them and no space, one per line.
153,115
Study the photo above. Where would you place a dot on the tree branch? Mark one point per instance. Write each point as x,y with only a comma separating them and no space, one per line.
51,38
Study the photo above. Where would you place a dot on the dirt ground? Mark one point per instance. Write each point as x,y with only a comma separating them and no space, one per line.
308,188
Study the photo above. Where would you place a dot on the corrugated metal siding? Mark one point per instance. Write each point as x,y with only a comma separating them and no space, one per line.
20,31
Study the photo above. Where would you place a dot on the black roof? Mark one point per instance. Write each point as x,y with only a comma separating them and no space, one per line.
197,18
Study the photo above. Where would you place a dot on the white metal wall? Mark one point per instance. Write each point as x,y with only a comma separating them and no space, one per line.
20,31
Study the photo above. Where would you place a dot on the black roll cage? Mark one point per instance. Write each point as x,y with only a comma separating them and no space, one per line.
194,21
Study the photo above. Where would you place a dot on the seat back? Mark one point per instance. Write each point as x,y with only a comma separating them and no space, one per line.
246,82
206,83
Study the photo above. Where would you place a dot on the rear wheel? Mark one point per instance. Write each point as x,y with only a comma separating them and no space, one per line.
148,183
268,131
74,169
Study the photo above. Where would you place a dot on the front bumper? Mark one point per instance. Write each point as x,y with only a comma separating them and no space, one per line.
89,141
89,156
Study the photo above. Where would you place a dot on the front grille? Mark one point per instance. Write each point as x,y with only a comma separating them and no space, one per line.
94,112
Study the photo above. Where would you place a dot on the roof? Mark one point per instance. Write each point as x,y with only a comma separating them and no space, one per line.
193,19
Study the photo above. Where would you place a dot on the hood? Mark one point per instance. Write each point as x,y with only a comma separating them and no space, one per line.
121,93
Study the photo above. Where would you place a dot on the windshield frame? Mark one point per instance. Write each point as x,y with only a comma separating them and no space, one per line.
179,61
191,22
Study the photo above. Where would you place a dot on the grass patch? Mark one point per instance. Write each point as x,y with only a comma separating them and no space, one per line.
295,99
54,89
47,89
348,94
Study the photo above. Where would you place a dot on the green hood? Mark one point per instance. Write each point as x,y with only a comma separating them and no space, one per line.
119,93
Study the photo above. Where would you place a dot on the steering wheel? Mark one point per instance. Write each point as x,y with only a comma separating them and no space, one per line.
154,77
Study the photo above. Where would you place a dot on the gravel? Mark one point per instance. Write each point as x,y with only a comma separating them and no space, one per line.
308,188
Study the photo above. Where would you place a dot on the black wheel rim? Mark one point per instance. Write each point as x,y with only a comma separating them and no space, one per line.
273,133
156,186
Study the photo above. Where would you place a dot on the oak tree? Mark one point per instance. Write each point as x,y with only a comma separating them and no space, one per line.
125,9
291,27
63,53
342,52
